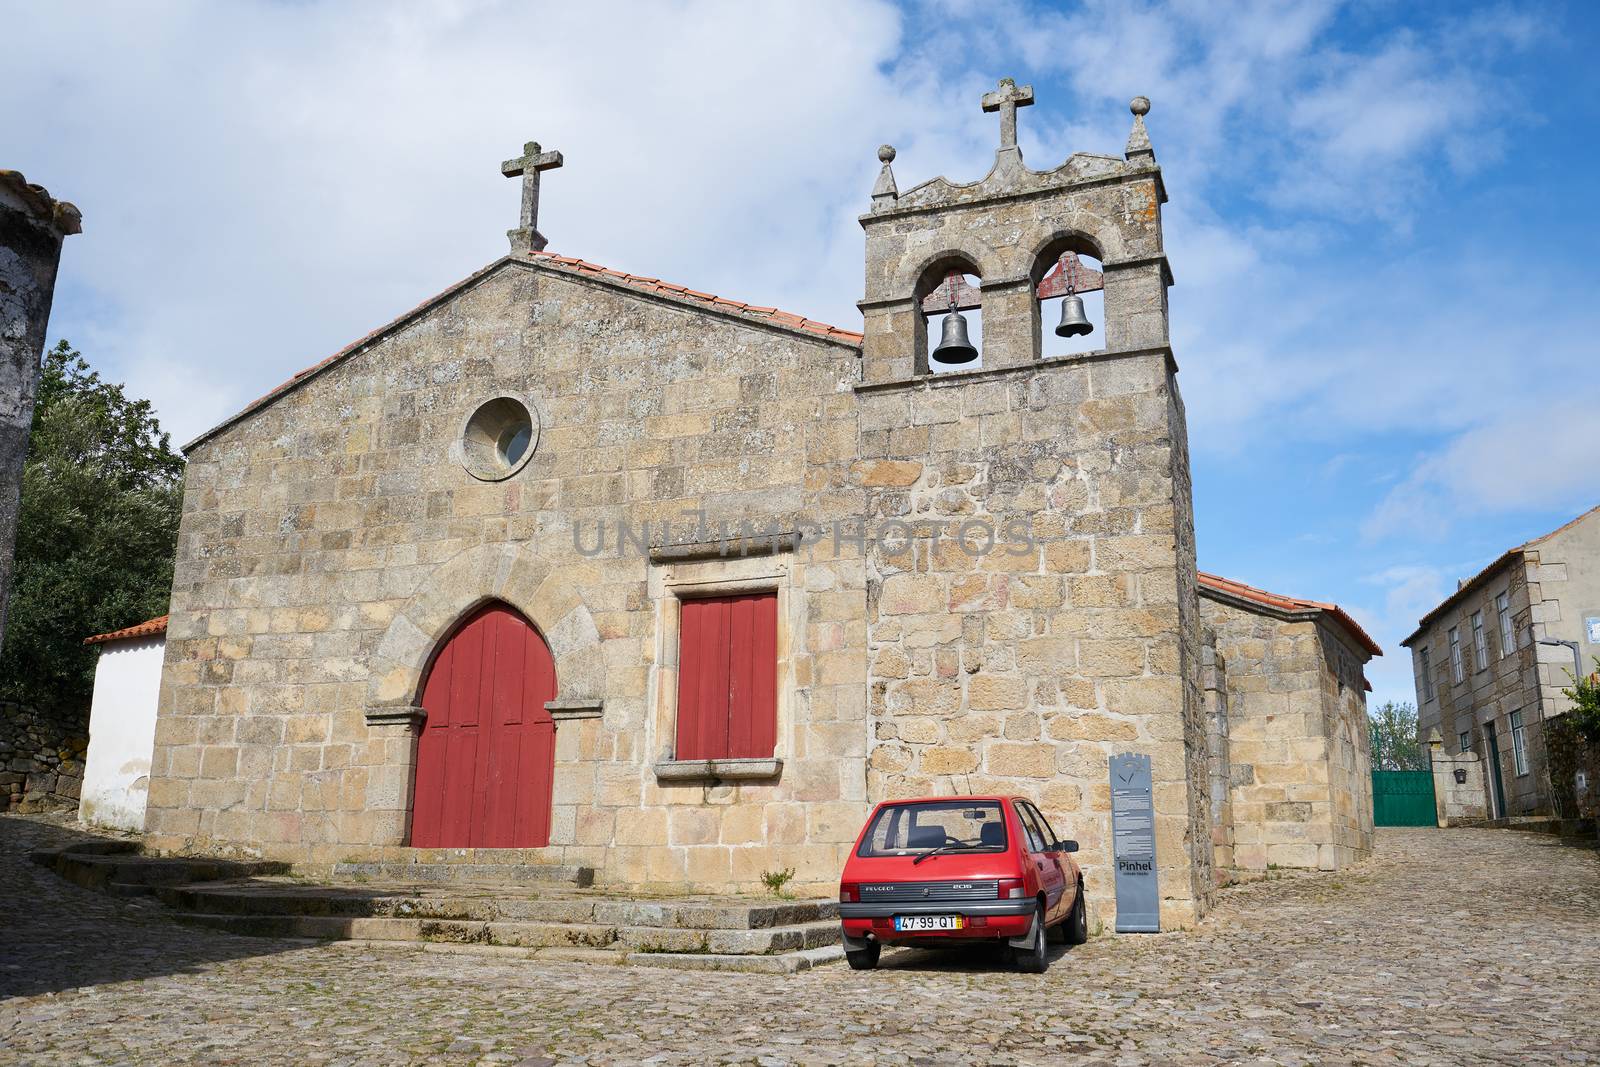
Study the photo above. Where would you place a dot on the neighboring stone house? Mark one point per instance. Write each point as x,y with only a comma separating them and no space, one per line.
1492,659
1293,756
122,725
571,565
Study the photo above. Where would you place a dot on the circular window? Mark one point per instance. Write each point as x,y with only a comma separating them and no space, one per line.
498,438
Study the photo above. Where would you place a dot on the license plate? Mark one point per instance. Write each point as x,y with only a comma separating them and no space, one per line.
930,922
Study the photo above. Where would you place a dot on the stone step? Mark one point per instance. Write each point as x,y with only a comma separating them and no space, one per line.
47,856
640,940
124,869
782,963
284,898
777,963
464,872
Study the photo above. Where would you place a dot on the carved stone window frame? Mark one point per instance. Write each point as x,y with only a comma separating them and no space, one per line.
673,580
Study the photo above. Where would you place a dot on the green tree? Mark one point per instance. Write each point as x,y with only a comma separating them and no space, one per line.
1395,744
1584,714
101,494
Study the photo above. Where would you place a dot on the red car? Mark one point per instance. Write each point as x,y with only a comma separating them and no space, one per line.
946,870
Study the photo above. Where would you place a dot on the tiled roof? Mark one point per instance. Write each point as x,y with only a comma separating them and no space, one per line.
656,285
155,627
769,315
1291,603
1482,576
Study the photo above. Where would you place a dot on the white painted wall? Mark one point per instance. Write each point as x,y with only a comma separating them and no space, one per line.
122,733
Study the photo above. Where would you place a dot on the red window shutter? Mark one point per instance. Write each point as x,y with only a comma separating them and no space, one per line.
728,677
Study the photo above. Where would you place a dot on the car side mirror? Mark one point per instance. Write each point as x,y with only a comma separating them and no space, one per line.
1066,846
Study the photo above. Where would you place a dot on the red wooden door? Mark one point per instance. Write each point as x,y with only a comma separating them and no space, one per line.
728,677
487,752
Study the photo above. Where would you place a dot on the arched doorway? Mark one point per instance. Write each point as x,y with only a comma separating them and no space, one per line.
486,756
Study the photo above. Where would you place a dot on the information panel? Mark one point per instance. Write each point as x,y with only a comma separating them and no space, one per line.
1133,845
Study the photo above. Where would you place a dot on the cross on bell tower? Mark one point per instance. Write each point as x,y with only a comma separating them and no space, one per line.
1006,99
526,237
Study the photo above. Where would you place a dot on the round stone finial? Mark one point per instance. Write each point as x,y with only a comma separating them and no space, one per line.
1140,105
886,153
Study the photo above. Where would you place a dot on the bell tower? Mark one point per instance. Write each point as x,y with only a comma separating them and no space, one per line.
1041,615
1012,227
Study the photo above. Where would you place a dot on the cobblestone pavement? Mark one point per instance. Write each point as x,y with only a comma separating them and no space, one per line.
1448,947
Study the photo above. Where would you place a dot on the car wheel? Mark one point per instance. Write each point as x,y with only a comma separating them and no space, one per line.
1077,924
864,959
1035,957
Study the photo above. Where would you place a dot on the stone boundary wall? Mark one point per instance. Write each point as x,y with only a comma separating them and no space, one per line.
41,759
1457,803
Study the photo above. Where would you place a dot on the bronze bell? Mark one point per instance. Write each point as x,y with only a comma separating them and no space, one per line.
1074,323
954,347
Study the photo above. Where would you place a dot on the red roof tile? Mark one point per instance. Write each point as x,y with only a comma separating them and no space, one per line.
657,285
1291,603
149,628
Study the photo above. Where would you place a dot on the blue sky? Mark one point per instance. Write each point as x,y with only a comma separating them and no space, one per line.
1382,219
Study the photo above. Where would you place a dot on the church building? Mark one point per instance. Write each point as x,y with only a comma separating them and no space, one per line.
572,566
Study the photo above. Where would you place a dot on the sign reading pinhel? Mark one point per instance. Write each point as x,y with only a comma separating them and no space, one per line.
1133,845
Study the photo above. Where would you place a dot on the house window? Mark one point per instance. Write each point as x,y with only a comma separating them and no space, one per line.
1427,676
1466,741
1480,642
1456,670
1502,609
1519,744
727,677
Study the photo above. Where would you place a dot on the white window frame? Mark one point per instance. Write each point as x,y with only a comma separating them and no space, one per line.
1480,642
1466,741
1426,658
1502,608
1519,744
1457,669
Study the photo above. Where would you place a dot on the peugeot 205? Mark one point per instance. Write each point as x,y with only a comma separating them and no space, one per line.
945,871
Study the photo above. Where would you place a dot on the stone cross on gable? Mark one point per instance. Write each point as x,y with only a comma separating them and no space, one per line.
526,237
1006,100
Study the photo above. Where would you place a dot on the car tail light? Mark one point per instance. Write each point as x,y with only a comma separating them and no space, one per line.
1009,889
850,893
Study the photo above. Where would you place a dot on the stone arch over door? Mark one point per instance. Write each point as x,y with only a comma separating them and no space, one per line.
550,598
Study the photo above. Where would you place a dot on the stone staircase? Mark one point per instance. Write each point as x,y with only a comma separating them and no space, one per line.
539,911
119,868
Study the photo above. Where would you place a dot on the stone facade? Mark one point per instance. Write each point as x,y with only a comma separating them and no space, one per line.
1023,669
1502,697
332,538
1293,695
32,227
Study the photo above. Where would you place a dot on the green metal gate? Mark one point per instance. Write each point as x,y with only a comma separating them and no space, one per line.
1403,798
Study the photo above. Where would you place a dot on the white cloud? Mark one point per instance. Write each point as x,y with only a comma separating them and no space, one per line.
263,183
1535,457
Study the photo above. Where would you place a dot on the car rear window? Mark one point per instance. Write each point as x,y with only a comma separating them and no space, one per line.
953,825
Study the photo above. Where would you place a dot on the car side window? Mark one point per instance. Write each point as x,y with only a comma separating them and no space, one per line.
1050,837
1036,842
